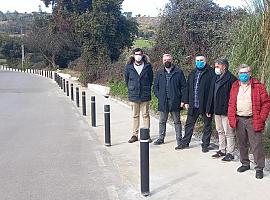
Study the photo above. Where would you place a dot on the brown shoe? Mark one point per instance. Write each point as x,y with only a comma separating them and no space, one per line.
133,139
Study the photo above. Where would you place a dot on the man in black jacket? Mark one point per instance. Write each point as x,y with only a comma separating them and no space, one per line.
139,80
168,86
218,104
195,99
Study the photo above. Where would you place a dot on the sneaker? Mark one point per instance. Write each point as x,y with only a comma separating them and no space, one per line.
159,142
133,139
229,157
259,174
218,154
182,146
243,168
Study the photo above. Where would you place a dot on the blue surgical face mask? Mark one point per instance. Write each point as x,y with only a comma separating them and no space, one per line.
244,78
200,64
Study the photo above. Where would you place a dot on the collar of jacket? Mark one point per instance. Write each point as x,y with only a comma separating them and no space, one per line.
131,66
131,59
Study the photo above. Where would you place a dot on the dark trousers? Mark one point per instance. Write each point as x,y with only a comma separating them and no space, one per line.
246,137
163,117
190,123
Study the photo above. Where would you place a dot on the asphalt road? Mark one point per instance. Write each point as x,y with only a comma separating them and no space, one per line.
47,150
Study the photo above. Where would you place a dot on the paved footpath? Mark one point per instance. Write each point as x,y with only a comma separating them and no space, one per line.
48,151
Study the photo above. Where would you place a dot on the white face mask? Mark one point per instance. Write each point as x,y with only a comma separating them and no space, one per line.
218,71
138,58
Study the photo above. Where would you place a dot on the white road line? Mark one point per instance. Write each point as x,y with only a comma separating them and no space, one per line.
113,195
99,158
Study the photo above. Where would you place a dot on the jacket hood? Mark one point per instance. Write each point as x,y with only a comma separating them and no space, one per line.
131,59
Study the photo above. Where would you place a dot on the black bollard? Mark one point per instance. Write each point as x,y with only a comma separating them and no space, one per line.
144,155
93,111
58,79
107,123
61,82
64,85
77,97
67,88
55,78
83,103
71,92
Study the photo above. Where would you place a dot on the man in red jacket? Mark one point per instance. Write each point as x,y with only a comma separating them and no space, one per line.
248,110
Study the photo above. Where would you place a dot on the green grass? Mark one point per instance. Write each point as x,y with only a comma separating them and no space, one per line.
143,43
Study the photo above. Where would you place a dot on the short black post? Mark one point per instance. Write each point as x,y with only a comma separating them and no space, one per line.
55,78
71,92
107,123
83,103
93,111
42,72
67,88
58,79
61,82
144,155
64,85
77,97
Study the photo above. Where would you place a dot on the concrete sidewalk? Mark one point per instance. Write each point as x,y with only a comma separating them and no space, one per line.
185,174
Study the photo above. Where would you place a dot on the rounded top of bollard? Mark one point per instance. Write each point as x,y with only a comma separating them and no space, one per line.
93,98
83,93
144,134
106,108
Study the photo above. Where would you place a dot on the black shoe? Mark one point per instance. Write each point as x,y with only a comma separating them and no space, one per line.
159,142
243,168
182,146
133,139
229,157
218,154
205,149
259,174
150,140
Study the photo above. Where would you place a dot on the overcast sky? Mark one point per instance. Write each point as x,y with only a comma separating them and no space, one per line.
143,7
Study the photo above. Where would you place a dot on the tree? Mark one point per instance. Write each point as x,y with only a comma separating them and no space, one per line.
10,48
50,40
190,26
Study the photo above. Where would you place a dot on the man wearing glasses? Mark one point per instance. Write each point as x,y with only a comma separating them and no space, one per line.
248,110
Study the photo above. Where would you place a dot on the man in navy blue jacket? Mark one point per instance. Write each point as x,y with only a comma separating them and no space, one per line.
168,87
139,80
195,98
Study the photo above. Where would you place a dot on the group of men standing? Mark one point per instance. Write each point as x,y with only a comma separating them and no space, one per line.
240,106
